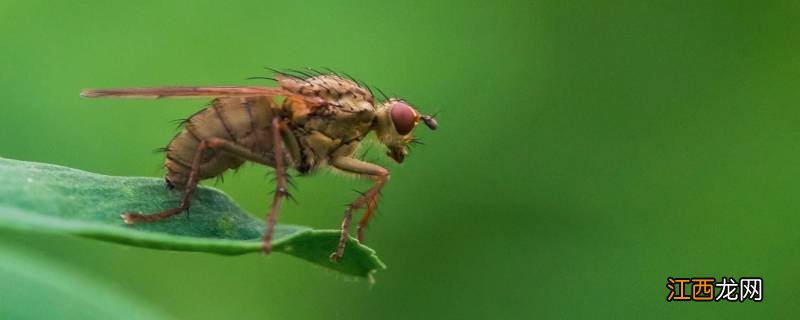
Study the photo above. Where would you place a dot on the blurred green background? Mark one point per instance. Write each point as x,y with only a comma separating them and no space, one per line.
587,151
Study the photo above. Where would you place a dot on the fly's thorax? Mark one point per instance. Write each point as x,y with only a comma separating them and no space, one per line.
327,86
322,137
346,111
340,118
342,125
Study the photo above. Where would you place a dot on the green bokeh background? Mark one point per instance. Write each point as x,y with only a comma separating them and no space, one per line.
587,150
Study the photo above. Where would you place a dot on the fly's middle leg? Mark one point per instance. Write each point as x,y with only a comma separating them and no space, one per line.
280,190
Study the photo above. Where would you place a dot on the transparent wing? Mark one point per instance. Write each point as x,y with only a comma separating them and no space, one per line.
195,92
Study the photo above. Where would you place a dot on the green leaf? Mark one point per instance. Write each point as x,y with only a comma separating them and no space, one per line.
44,197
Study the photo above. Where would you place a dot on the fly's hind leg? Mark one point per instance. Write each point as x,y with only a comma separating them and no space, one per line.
191,186
368,199
213,143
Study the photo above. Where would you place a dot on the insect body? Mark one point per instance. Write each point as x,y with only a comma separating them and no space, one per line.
320,122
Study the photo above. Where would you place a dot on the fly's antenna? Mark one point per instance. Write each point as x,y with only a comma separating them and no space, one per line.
430,120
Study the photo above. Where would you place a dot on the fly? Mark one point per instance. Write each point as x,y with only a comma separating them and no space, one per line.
305,123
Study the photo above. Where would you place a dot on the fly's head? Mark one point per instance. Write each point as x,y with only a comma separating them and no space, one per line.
395,120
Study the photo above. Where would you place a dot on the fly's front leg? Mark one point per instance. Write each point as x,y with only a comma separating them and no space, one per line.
369,199
372,205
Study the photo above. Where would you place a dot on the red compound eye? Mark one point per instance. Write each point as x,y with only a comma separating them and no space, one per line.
404,117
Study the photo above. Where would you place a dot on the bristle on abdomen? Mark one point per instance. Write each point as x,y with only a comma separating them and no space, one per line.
243,121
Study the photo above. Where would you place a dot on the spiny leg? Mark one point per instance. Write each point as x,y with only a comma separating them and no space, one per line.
280,173
191,185
372,205
280,191
379,174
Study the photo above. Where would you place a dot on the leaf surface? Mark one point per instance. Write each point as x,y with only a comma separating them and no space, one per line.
45,197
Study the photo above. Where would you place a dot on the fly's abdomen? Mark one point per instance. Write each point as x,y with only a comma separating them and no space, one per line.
245,121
